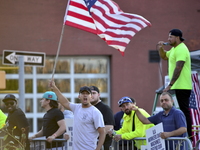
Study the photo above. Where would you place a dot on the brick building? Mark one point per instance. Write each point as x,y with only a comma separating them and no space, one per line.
35,25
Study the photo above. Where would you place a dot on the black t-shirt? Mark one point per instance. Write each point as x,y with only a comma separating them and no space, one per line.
108,120
106,112
16,119
50,125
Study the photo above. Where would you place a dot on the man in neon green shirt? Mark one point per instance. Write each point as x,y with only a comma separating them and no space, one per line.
179,68
2,119
130,130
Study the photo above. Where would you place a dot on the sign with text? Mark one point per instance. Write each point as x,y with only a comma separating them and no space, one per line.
154,141
144,147
167,81
11,57
69,129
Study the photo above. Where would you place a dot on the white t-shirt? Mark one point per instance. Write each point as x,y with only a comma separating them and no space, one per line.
86,123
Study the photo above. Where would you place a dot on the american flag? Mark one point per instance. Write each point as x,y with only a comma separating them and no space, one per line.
106,19
195,107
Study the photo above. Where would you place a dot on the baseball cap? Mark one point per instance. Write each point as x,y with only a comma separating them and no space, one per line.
94,88
85,88
9,97
123,100
177,32
50,95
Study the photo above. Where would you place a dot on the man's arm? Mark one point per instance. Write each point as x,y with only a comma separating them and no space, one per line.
108,127
177,132
61,98
141,117
39,134
102,135
161,50
60,131
177,71
176,74
108,118
2,119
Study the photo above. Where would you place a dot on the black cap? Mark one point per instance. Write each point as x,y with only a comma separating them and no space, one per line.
94,88
177,32
85,88
9,97
133,100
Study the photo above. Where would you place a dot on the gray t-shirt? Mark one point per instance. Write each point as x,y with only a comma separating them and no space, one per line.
86,123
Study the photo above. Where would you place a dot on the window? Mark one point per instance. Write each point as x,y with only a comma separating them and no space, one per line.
154,56
71,73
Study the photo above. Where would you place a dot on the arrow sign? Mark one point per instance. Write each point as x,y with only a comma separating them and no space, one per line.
30,58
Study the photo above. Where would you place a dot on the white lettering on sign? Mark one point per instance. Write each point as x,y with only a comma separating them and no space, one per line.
28,59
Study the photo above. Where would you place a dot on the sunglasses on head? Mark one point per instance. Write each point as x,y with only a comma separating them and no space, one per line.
123,100
9,103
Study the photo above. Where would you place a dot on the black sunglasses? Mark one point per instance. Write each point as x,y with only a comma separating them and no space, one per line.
9,103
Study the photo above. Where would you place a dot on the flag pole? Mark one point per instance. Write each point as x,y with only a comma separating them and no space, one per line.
58,51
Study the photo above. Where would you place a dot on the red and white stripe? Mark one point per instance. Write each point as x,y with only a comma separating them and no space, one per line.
77,15
106,20
195,113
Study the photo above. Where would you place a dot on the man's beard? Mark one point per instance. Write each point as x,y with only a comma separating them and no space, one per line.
128,112
167,108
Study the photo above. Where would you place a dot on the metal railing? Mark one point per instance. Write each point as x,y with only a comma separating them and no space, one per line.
172,143
41,144
197,145
183,144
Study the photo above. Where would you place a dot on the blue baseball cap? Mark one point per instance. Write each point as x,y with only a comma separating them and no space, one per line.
123,100
50,95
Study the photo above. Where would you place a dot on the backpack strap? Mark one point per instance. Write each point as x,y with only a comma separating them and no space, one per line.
133,128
